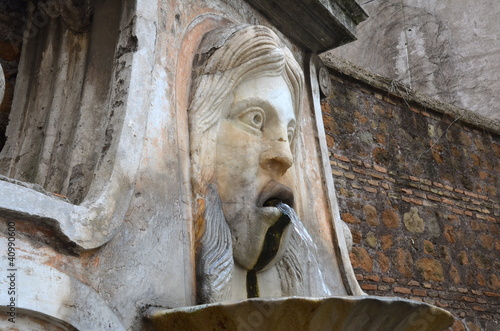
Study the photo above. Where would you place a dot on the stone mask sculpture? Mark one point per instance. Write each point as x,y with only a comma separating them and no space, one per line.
246,94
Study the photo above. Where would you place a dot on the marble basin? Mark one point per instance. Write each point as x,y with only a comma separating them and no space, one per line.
367,313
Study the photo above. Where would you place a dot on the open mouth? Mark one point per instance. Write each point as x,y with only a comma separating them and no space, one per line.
275,192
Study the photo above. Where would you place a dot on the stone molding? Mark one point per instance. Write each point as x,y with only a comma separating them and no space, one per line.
403,91
318,25
92,220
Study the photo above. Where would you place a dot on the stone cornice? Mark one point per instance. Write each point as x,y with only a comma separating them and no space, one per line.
402,91
318,25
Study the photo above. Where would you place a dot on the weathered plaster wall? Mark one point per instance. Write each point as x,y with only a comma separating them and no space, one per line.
446,49
420,191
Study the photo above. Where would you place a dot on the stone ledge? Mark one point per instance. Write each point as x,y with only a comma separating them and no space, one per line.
318,25
402,91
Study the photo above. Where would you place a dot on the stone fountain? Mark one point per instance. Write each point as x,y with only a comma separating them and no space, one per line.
166,167
258,268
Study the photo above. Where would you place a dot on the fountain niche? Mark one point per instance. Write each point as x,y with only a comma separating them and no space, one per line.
270,248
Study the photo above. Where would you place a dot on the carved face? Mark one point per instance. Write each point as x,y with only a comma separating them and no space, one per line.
253,158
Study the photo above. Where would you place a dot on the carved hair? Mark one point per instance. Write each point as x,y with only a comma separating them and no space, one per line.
226,57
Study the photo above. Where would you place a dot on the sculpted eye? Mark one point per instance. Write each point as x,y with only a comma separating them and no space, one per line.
253,117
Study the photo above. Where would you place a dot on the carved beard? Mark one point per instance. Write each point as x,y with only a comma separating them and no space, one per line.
215,263
214,258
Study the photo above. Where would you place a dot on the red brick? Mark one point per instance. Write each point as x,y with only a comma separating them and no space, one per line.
478,308
359,277
341,157
404,290
375,175
343,166
425,181
468,299
413,283
337,173
359,170
369,287
380,169
413,178
389,280
433,197
349,176
407,191
415,110
441,304
420,293
350,218
471,194
447,201
373,278
370,189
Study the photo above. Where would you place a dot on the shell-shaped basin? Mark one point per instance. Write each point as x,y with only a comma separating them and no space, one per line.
367,313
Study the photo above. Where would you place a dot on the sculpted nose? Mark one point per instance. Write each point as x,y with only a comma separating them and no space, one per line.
277,158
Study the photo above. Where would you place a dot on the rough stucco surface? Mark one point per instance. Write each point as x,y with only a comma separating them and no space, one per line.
447,49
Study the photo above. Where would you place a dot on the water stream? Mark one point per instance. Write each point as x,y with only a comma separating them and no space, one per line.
313,270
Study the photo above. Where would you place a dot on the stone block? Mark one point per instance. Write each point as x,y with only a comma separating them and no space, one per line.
361,259
390,218
430,269
413,222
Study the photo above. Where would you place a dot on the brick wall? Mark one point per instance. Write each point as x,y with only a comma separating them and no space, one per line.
420,191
